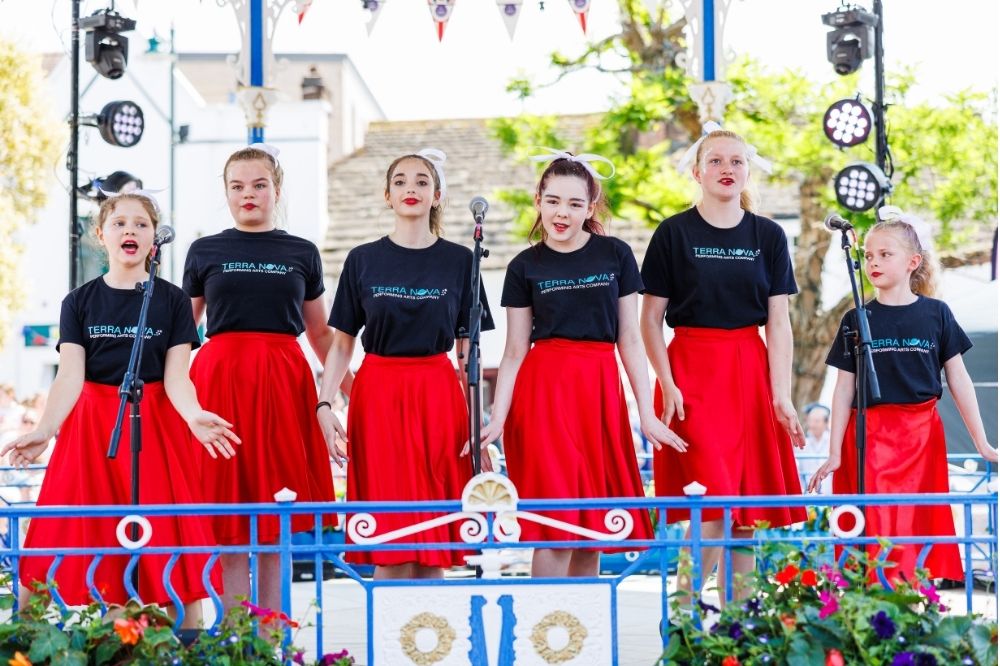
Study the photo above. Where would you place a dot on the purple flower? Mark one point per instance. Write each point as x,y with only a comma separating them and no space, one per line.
904,659
299,658
926,659
753,605
707,608
883,625
830,604
735,631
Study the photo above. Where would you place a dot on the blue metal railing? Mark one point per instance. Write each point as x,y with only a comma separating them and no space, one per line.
978,546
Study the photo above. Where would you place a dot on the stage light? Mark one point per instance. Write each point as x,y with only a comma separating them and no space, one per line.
117,181
104,46
847,123
852,39
120,123
860,185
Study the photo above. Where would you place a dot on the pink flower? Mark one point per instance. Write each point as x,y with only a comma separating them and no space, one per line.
834,576
931,593
830,604
255,610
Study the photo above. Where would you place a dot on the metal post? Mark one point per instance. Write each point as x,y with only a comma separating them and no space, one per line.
708,41
256,133
173,148
881,138
71,154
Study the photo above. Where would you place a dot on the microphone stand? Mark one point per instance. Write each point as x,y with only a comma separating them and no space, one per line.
865,376
472,366
131,391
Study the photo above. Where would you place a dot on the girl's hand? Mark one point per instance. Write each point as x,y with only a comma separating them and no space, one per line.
987,452
673,403
214,433
660,435
831,465
490,433
25,449
784,411
334,434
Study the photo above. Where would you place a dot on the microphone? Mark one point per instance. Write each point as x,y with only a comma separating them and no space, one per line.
834,222
164,235
479,206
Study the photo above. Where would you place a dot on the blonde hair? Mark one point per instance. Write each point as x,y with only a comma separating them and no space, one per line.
436,226
924,279
249,154
748,197
108,207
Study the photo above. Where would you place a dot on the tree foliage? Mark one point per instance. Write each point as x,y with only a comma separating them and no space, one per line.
945,154
30,143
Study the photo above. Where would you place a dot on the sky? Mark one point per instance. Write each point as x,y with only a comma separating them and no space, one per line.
953,45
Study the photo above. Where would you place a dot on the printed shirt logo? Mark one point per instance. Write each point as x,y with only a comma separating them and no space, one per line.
264,267
902,345
729,253
587,282
111,331
409,293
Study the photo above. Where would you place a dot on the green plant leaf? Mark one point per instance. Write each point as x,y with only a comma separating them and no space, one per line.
805,651
984,643
69,658
106,651
47,643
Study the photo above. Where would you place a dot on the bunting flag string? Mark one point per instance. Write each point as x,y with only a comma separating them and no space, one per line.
374,8
580,8
301,7
441,13
510,12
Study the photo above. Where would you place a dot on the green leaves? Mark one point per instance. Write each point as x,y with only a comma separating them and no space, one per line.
47,642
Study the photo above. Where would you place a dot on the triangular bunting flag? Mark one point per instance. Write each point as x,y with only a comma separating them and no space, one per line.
510,11
374,8
581,7
441,12
301,7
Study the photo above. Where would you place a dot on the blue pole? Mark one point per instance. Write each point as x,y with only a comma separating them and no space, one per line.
708,43
256,134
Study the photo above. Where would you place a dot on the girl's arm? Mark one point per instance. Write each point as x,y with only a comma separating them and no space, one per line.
338,360
515,349
630,350
651,326
320,336
210,429
778,331
840,414
964,393
63,394
198,308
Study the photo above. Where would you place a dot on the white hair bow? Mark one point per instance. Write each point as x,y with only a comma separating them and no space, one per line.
711,126
146,194
437,158
920,227
266,148
586,160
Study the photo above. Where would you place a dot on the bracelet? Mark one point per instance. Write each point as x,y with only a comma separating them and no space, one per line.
321,405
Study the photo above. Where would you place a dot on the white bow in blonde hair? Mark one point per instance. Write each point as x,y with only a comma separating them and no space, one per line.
268,148
920,227
687,160
586,160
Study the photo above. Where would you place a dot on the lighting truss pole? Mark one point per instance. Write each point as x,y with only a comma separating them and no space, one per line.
881,138
71,154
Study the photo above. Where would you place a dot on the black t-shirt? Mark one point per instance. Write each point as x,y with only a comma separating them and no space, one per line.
410,302
573,295
717,278
910,345
102,320
254,281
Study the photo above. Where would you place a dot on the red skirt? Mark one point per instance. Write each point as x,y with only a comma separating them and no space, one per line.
568,436
80,473
406,426
736,445
905,453
263,385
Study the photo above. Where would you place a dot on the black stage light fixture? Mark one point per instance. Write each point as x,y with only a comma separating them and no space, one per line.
120,123
860,185
852,40
847,123
104,46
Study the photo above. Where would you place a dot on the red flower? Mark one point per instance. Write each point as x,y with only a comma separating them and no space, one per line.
787,575
730,661
790,621
809,578
129,631
834,657
19,660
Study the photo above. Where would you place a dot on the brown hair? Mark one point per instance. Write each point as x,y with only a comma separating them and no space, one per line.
748,198
923,280
437,228
564,167
250,153
108,207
